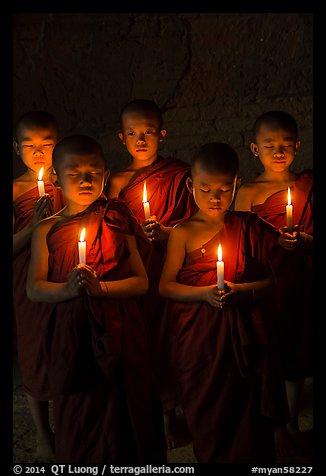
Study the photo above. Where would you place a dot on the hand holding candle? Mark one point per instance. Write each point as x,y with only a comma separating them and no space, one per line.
289,213
82,247
220,268
146,203
40,183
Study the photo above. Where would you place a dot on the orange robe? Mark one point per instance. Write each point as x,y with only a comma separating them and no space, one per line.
227,361
31,316
294,272
105,407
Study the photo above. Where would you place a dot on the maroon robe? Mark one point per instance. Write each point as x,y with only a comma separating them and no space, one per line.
30,316
294,272
171,202
228,363
105,406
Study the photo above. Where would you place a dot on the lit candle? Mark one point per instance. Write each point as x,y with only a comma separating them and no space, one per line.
220,268
40,183
289,212
146,203
82,247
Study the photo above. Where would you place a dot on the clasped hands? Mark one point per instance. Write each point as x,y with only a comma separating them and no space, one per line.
290,241
84,277
220,297
43,208
154,230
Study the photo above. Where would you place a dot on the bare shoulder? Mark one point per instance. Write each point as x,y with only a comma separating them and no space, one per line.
16,187
45,225
245,195
183,229
118,180
21,185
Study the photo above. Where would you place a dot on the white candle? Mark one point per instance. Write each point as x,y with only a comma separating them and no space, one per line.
40,183
146,203
82,248
289,213
220,268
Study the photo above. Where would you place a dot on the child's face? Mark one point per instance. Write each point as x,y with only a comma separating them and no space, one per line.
213,192
82,178
276,148
141,135
35,146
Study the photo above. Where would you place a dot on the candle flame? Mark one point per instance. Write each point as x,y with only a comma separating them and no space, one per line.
144,193
289,196
40,174
82,235
219,252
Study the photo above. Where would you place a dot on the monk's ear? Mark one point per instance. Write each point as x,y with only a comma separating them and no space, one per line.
120,134
237,183
254,149
297,146
163,134
16,147
189,184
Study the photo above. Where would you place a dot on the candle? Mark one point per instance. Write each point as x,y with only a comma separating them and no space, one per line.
40,183
289,213
220,268
146,203
82,248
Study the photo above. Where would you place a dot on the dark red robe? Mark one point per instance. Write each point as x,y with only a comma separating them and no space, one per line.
30,316
105,406
171,202
294,272
228,364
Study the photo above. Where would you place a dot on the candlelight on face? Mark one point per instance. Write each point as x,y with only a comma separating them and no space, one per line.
40,183
82,247
220,268
146,203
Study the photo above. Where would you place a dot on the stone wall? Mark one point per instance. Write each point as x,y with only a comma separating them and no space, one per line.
211,73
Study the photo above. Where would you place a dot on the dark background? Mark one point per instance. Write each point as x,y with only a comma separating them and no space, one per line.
211,73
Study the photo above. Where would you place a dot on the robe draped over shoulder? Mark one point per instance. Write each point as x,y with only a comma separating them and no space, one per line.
30,317
294,272
227,361
105,405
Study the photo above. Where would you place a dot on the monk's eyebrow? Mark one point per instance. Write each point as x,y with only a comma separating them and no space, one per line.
271,139
31,139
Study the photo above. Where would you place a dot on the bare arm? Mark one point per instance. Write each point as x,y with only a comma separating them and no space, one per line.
135,285
114,187
168,286
38,287
22,239
247,291
243,200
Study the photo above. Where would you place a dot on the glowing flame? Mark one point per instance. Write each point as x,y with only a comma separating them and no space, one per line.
289,196
144,193
219,252
82,235
40,174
